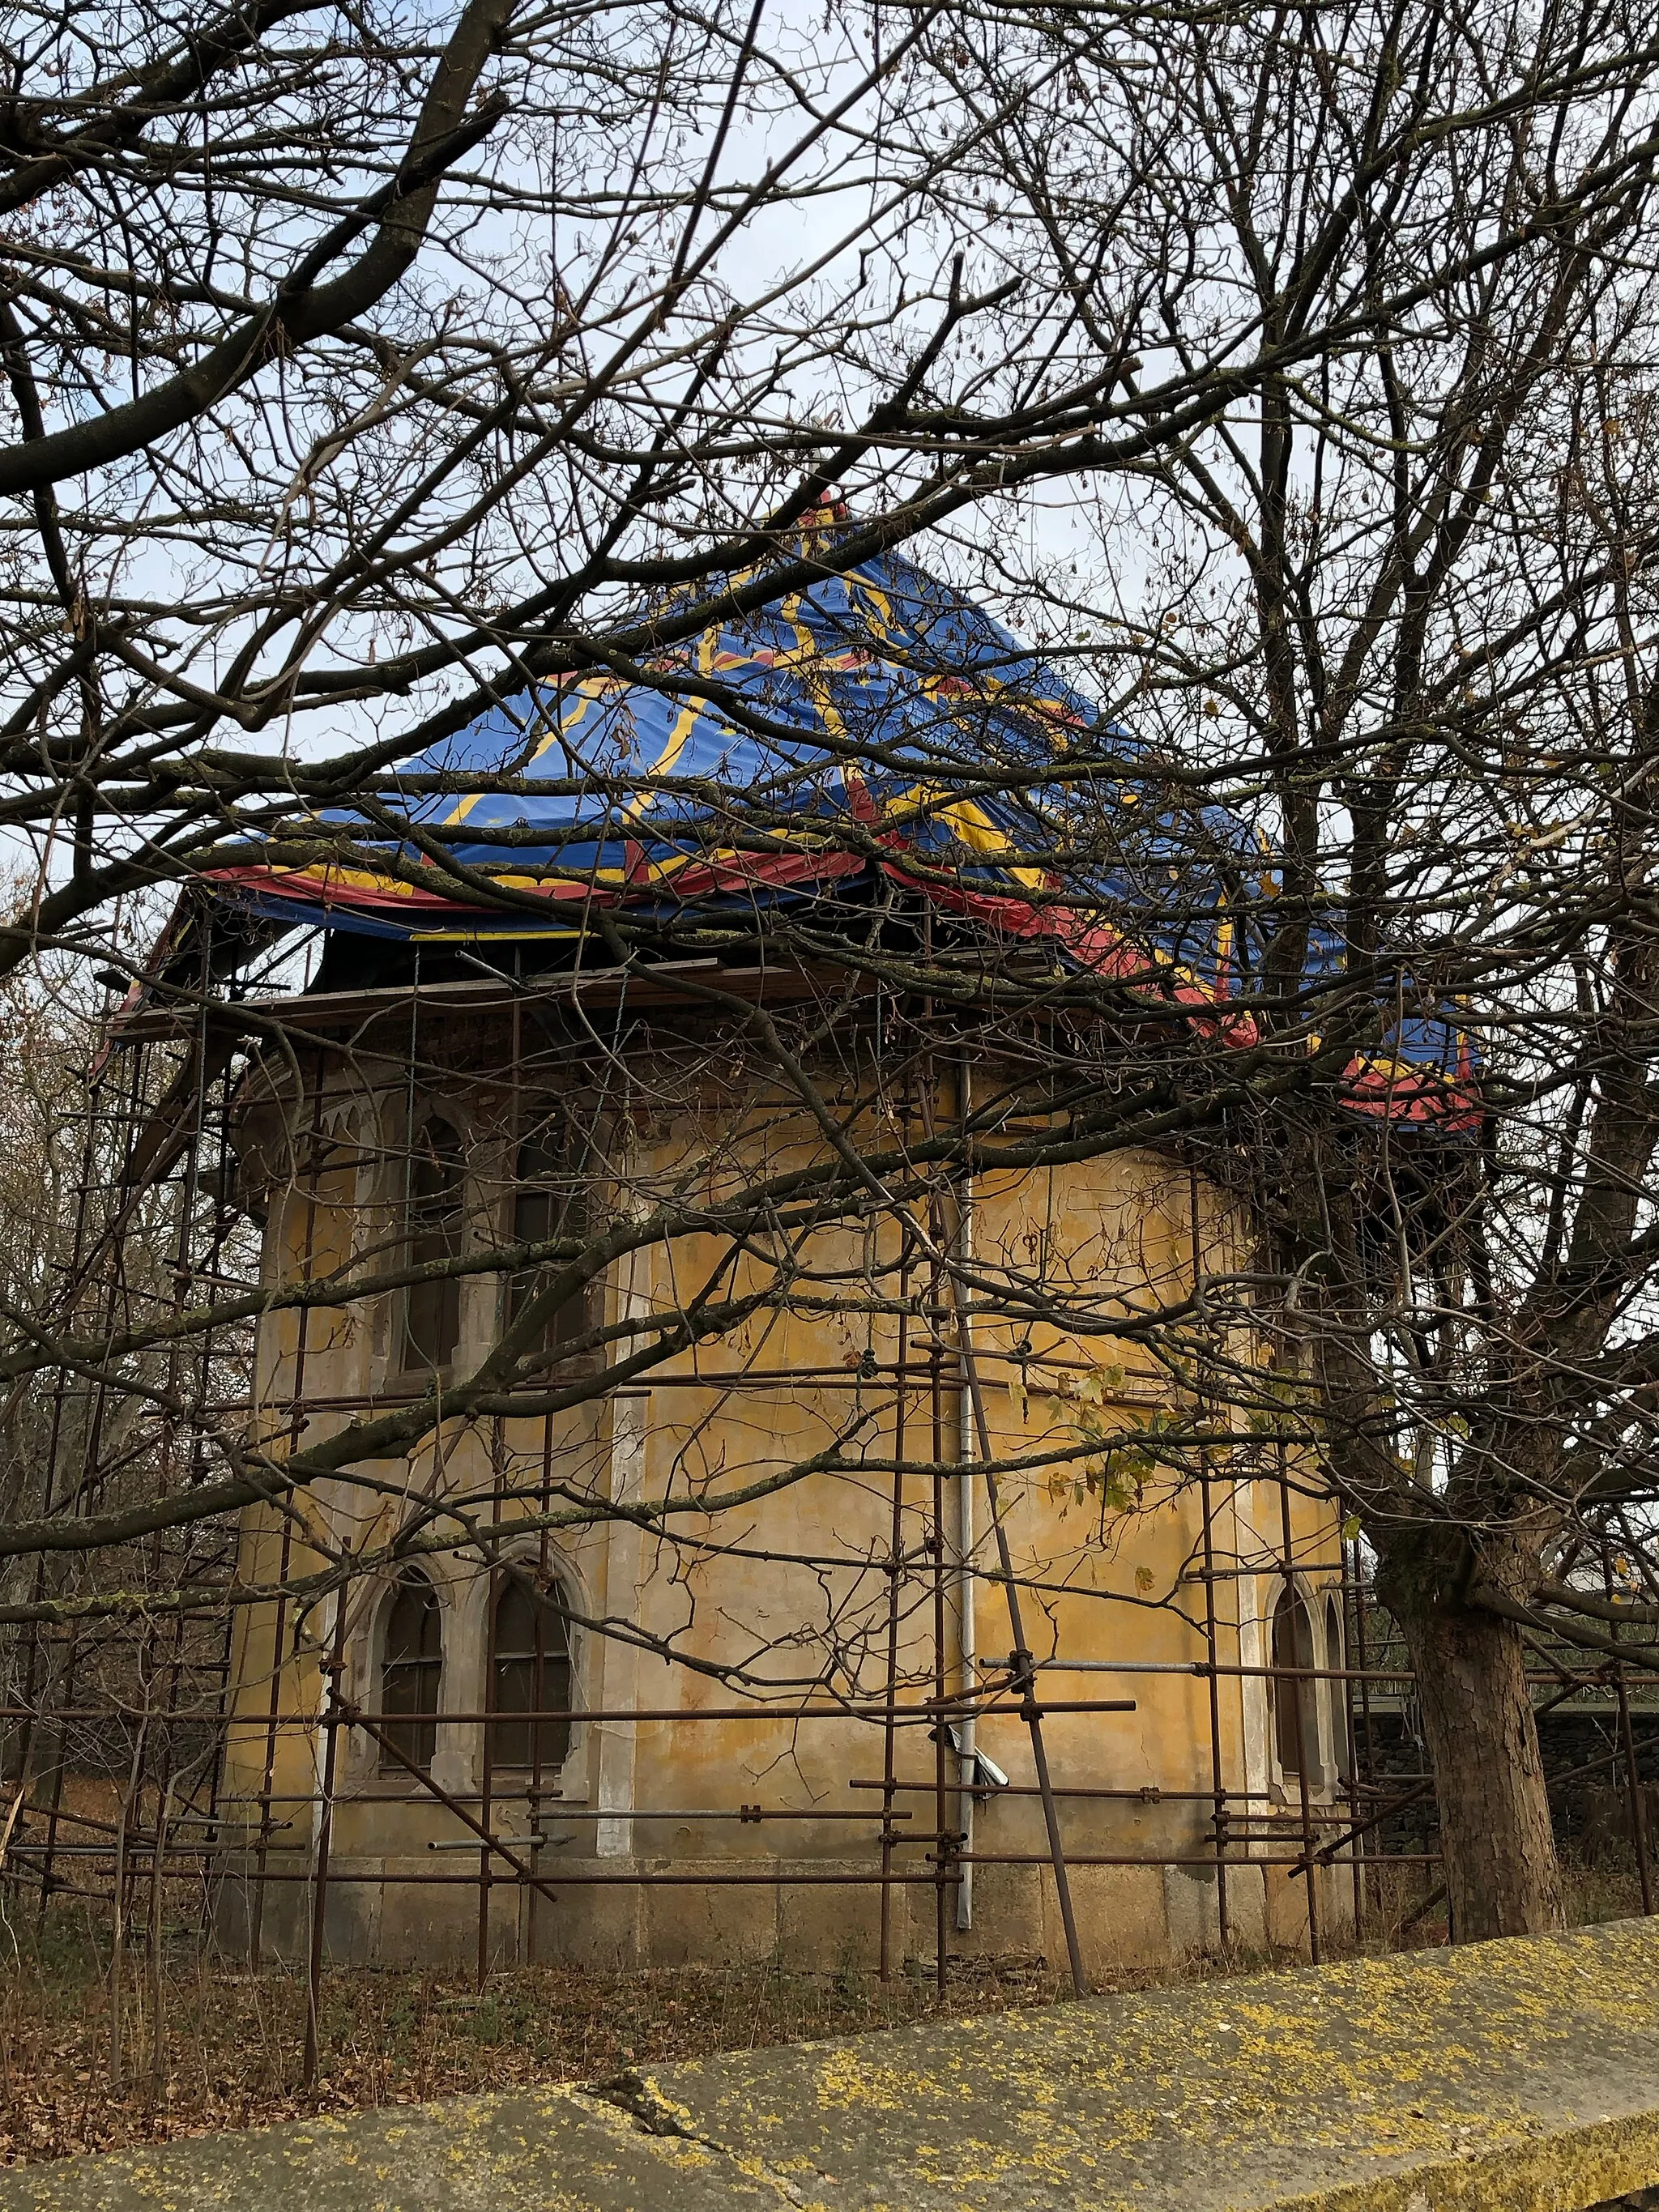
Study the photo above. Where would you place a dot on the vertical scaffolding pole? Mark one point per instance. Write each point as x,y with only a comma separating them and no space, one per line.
1362,1651
967,1642
212,1791
894,1562
1212,1650
941,1732
333,1668
535,1791
119,1921
106,1248
182,1277
158,2049
74,1289
535,1788
487,1748
1223,1921
285,1550
515,1132
1301,1689
1022,1666
1350,1739
1638,1827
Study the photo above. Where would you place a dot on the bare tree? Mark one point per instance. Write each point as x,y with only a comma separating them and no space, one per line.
1397,612
370,384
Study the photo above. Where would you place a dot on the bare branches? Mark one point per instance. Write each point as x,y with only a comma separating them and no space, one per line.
455,529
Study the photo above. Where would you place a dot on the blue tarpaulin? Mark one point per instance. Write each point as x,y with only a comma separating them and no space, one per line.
878,729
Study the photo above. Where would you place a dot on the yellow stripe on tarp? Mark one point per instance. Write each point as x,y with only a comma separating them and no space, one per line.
584,696
591,692
969,824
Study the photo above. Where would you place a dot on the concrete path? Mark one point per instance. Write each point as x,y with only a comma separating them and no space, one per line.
1509,2077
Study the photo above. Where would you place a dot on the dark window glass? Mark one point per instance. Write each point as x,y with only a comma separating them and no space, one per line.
411,1664
1341,1731
1294,1725
530,1674
432,1310
547,1204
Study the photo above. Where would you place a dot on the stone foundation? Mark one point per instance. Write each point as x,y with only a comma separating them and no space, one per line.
810,1914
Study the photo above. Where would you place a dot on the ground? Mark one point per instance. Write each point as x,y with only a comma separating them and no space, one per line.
1520,2075
232,2040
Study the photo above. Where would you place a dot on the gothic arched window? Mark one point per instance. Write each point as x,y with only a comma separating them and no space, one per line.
1296,1736
1341,1724
432,1309
529,1676
411,1669
547,1204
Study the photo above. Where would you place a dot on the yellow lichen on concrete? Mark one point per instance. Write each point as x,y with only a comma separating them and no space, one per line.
1509,2077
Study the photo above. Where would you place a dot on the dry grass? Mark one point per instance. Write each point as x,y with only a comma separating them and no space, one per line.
1600,1892
232,2040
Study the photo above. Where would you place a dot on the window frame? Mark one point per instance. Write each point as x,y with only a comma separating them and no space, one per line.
1304,1689
424,1223
423,1718
519,1578
562,1194
1338,1704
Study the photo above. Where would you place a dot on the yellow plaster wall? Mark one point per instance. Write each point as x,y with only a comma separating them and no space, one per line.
1111,1580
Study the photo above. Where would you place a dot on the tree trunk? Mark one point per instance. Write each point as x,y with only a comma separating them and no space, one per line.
1502,1877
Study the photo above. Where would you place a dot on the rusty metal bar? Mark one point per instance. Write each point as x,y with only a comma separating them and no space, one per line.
936,1376
1224,1920
1294,1599
296,1430
331,1667
1024,1674
1637,1811
894,1561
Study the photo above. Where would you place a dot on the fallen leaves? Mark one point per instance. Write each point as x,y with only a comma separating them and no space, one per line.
233,2039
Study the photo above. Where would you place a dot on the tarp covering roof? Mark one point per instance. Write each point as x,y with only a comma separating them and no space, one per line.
876,729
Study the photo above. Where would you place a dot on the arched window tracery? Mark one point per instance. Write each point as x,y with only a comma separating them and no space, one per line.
1291,1697
411,1674
548,1203
1341,1725
432,1309
530,1678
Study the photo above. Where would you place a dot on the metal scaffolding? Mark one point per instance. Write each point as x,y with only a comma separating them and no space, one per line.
119,1718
